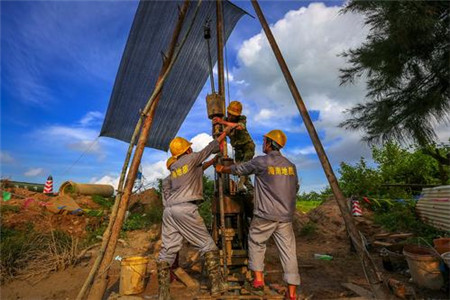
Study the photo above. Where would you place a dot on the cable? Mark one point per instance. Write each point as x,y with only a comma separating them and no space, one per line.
63,174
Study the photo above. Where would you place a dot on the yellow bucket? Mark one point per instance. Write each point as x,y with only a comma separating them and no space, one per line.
132,275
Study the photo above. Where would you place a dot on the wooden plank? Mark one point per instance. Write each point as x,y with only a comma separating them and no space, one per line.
400,235
381,244
381,235
358,290
186,279
244,297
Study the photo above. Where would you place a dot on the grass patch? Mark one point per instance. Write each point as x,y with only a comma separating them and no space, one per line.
102,201
306,206
94,230
308,229
136,221
9,208
29,254
94,213
154,214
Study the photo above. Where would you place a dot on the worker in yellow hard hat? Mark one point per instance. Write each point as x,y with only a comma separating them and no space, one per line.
241,141
276,186
181,219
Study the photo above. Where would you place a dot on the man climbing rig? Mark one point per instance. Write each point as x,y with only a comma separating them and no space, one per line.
241,141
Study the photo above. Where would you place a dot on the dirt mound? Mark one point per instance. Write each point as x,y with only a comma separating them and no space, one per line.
148,197
329,221
19,193
300,219
27,209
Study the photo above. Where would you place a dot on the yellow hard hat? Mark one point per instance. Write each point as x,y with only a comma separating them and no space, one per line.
277,136
178,146
170,161
234,108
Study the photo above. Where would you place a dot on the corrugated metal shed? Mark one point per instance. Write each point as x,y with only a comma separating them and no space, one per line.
141,63
433,207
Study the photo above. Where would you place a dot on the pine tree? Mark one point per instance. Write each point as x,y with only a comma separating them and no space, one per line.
405,62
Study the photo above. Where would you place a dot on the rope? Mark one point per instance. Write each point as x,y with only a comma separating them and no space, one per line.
63,174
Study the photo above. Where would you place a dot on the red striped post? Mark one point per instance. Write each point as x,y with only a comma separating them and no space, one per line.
48,188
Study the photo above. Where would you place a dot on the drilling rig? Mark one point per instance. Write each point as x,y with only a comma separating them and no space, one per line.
231,211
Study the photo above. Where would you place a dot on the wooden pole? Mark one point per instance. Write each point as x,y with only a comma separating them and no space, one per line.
100,283
369,267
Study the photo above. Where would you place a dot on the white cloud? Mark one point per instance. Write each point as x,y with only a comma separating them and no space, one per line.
200,141
6,157
91,117
154,171
305,150
33,172
107,179
151,173
264,115
81,137
311,39
443,133
69,132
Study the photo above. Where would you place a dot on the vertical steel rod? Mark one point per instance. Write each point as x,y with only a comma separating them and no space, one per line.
221,83
380,292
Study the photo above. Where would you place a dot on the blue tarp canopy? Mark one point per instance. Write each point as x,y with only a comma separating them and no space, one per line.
141,63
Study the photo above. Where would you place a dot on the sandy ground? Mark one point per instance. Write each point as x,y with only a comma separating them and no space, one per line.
320,279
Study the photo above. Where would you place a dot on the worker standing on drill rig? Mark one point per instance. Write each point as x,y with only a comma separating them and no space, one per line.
241,141
276,186
181,218
166,187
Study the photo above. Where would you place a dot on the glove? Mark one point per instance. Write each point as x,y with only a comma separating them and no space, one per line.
228,129
219,168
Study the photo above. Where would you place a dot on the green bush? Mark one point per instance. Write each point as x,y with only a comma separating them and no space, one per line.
401,217
154,214
102,201
308,229
204,209
136,221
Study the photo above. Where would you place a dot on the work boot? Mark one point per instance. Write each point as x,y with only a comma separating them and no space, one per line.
255,287
163,280
216,280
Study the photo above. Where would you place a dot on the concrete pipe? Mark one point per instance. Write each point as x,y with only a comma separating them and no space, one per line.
70,187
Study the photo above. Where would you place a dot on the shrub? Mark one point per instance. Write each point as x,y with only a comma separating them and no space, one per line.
102,201
308,229
27,253
401,217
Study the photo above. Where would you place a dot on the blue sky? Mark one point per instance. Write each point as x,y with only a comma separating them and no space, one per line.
59,60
